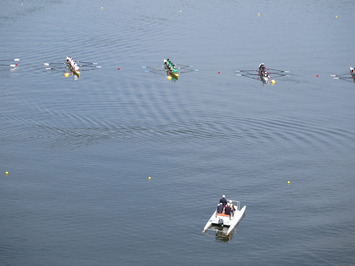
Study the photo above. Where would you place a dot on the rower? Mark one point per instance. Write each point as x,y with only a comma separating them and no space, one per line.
262,67
262,70
171,63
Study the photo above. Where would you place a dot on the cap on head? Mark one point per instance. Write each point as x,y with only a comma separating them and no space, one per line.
223,196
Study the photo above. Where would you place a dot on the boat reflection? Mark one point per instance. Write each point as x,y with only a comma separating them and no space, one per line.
169,76
221,235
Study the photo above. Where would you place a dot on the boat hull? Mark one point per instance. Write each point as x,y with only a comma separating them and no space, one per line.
264,79
223,220
73,67
170,70
76,73
173,75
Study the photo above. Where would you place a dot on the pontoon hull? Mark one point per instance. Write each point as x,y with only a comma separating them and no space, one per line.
230,222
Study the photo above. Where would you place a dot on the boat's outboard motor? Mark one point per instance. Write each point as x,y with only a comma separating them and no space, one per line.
220,222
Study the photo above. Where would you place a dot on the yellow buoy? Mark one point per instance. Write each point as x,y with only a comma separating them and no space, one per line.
66,74
336,16
289,182
273,81
149,178
6,173
259,14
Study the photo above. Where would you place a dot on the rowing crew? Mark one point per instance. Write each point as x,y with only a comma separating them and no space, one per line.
225,207
170,66
352,72
73,66
262,71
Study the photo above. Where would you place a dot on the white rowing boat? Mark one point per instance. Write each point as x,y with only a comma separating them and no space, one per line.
264,76
73,66
223,220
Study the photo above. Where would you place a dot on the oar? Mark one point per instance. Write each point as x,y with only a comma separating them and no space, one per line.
340,74
280,74
285,71
248,76
246,70
11,65
344,78
48,64
13,59
88,69
93,66
90,63
184,70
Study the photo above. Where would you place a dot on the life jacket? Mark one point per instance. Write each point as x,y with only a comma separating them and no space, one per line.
227,210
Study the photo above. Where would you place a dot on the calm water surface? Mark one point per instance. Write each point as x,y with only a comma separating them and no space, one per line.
79,152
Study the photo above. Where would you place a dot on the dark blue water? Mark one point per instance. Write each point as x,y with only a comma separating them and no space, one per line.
79,152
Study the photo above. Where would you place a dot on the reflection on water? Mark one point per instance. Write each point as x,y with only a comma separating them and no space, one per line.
87,147
221,234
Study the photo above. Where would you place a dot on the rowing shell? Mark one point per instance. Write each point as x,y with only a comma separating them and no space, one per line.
346,76
171,70
73,66
257,75
162,70
264,77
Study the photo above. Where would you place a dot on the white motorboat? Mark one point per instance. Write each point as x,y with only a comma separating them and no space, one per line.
222,220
